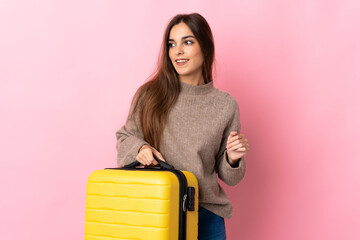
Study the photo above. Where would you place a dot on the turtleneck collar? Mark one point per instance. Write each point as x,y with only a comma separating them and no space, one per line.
196,90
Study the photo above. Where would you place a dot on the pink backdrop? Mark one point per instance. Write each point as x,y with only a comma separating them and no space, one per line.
68,71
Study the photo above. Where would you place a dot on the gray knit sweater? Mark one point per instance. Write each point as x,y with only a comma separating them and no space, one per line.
194,140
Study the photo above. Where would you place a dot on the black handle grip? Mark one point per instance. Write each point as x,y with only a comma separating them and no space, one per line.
162,164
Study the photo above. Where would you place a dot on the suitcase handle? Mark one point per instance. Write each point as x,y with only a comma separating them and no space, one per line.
162,164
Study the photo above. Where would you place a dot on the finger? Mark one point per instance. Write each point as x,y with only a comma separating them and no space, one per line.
237,146
142,156
145,162
140,160
158,155
241,135
154,162
238,149
146,157
150,159
232,133
236,142
237,136
231,139
239,140
246,145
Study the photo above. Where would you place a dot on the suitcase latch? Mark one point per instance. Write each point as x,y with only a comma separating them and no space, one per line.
190,201
184,202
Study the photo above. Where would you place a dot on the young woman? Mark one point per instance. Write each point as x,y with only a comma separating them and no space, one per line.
178,115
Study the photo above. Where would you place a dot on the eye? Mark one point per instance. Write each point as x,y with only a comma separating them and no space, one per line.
188,42
171,44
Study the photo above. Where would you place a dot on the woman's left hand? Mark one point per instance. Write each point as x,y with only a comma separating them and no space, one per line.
237,146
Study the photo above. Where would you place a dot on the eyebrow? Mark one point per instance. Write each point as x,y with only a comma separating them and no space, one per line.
188,36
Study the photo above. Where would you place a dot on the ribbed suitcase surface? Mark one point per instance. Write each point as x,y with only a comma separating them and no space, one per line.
140,204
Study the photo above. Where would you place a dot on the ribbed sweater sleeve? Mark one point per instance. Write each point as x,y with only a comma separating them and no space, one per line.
230,175
129,139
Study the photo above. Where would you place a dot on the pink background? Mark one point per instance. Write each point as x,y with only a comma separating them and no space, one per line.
68,71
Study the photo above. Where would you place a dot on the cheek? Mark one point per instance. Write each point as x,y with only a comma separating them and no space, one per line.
199,58
170,54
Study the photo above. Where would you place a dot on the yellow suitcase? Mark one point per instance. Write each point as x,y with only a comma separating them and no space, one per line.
155,203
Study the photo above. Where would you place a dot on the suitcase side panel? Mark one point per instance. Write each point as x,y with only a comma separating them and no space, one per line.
136,204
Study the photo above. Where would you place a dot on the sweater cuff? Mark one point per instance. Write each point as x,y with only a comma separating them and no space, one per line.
231,175
130,153
237,164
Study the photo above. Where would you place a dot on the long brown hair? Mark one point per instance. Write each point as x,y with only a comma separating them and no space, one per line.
154,99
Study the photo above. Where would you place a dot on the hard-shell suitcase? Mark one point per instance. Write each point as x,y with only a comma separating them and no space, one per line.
155,203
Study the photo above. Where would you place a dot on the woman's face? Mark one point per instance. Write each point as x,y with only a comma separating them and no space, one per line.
184,51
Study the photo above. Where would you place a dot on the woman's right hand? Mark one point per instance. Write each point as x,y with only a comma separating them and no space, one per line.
145,156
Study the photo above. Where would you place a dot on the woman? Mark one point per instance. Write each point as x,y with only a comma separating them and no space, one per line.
179,116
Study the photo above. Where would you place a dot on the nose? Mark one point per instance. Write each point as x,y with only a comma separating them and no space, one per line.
179,50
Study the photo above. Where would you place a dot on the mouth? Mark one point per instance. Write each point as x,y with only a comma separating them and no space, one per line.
181,62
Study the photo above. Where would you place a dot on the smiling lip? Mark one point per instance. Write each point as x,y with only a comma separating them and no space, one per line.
182,62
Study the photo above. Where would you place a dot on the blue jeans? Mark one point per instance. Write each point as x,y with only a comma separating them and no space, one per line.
211,226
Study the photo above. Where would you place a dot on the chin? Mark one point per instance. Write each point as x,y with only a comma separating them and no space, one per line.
183,73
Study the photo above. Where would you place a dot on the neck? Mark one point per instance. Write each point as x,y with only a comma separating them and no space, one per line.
194,79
